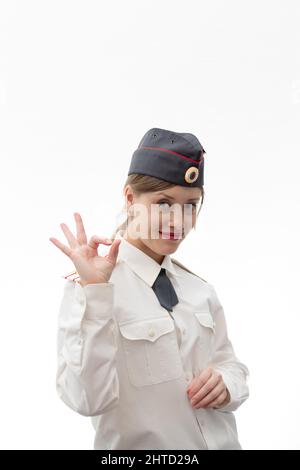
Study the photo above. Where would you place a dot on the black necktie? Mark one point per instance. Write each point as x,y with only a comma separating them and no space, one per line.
165,291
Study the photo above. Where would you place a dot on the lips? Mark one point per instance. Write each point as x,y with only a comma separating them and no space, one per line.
174,235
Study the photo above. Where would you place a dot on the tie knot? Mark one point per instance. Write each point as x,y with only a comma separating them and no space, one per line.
162,273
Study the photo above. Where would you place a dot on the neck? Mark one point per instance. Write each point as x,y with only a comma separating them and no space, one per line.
138,243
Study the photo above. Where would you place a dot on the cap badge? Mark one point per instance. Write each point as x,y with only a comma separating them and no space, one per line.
191,174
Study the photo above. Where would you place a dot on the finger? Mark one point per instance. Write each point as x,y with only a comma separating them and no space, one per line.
95,241
218,401
81,235
69,235
199,381
214,393
65,249
210,384
113,252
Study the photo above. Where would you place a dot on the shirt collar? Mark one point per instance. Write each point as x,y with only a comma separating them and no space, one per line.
141,263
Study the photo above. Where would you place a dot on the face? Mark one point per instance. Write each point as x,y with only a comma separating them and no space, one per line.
162,219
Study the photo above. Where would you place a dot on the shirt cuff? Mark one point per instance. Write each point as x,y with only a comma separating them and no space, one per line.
96,299
232,386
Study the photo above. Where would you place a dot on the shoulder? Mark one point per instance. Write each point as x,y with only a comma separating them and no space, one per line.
182,269
196,290
198,287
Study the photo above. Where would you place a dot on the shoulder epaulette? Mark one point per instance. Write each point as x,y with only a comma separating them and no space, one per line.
186,269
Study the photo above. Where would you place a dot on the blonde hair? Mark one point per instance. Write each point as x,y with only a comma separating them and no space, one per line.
146,184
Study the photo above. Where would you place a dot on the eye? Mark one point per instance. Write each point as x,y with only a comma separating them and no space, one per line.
164,205
194,205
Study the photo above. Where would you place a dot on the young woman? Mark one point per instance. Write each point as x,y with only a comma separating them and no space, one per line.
142,341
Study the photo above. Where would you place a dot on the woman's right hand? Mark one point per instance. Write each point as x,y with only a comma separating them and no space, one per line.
91,267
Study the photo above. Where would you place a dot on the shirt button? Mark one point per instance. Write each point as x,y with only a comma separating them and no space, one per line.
151,333
183,331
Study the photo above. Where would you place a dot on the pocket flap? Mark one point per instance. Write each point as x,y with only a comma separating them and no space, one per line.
206,319
147,329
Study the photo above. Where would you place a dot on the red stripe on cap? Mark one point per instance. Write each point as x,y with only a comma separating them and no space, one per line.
174,153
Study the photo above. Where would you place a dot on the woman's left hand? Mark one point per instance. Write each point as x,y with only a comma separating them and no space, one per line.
208,390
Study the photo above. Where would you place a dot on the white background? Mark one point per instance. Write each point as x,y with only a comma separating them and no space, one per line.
80,84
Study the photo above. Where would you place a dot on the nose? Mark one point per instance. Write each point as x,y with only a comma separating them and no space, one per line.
175,222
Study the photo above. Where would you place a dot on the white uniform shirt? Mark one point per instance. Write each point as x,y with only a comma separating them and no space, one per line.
125,361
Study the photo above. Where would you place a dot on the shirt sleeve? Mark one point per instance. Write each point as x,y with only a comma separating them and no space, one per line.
235,374
86,377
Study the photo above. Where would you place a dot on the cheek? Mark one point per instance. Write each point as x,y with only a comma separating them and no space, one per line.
190,219
154,221
146,218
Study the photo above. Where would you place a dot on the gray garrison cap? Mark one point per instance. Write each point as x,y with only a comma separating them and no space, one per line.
177,157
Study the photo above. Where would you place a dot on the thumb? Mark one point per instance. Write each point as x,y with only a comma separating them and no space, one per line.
113,252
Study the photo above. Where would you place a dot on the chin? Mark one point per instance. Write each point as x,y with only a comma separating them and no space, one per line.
166,247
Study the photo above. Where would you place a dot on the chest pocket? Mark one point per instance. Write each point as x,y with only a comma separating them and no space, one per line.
151,351
206,328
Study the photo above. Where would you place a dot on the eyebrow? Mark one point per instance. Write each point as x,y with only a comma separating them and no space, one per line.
170,197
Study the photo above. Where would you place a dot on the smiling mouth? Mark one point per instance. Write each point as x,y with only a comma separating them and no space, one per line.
171,235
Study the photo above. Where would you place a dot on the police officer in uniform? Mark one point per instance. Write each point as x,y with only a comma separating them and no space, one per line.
142,344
